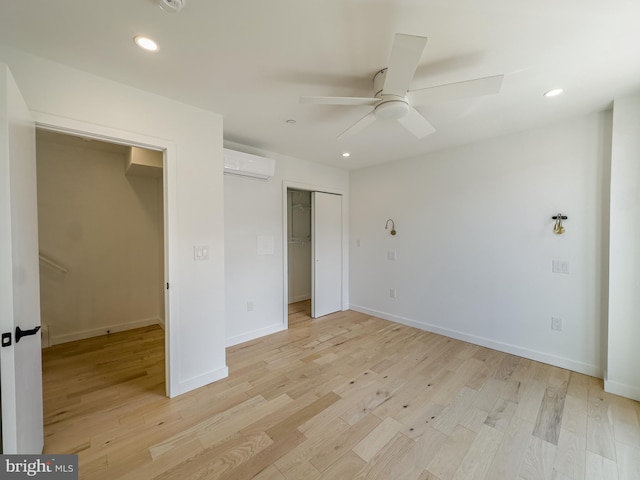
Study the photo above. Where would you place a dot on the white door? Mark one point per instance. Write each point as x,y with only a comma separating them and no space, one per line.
20,358
326,238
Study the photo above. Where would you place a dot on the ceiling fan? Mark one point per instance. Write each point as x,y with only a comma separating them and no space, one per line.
392,99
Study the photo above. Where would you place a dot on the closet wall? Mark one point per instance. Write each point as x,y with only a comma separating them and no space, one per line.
103,232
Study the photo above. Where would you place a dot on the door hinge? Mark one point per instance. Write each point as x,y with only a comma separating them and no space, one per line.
167,285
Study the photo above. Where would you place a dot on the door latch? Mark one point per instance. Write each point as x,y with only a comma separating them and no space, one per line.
6,337
25,333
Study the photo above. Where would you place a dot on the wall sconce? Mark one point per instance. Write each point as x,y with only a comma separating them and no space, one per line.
393,227
558,229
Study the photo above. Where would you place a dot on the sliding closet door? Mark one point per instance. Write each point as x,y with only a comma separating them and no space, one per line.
326,233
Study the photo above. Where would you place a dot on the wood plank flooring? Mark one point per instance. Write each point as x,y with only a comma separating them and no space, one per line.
347,396
299,312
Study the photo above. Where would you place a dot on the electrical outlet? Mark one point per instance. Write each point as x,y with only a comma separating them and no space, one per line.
249,306
391,255
392,292
556,324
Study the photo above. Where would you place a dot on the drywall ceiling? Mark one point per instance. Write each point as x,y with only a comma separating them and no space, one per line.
250,60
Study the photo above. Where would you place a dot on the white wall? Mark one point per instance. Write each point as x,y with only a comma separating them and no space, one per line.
193,139
475,243
255,208
105,228
623,375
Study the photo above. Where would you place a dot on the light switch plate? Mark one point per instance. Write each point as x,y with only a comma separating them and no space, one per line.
201,252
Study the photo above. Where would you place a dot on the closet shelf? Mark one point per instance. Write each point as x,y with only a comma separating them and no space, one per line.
300,206
299,241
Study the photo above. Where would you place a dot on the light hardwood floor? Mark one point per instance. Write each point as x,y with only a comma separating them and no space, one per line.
299,312
346,396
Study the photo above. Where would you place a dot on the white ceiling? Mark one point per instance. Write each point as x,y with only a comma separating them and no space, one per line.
250,60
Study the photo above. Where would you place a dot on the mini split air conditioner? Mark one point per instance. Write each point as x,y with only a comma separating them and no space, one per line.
247,165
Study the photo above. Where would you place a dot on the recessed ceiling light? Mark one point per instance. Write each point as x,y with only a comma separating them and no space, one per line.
145,43
346,154
553,93
291,121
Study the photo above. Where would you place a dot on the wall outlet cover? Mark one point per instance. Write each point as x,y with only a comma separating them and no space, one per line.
556,324
560,266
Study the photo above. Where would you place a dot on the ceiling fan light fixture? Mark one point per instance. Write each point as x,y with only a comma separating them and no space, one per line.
392,110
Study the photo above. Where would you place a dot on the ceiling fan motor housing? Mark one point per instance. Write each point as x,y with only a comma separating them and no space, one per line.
391,107
172,6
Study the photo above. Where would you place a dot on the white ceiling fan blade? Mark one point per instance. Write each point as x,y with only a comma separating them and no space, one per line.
453,91
405,56
417,124
339,100
357,127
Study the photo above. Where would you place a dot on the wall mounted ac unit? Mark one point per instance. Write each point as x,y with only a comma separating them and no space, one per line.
247,165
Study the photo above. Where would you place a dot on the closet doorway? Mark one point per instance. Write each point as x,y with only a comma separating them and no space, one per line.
314,253
299,254
101,239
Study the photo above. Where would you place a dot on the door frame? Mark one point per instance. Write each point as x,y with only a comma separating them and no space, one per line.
64,125
286,185
21,412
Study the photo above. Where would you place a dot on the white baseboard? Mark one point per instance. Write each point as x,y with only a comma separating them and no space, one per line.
162,324
299,298
200,381
96,332
252,335
538,356
622,389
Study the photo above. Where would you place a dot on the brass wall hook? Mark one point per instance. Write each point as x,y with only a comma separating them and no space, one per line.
558,228
393,227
